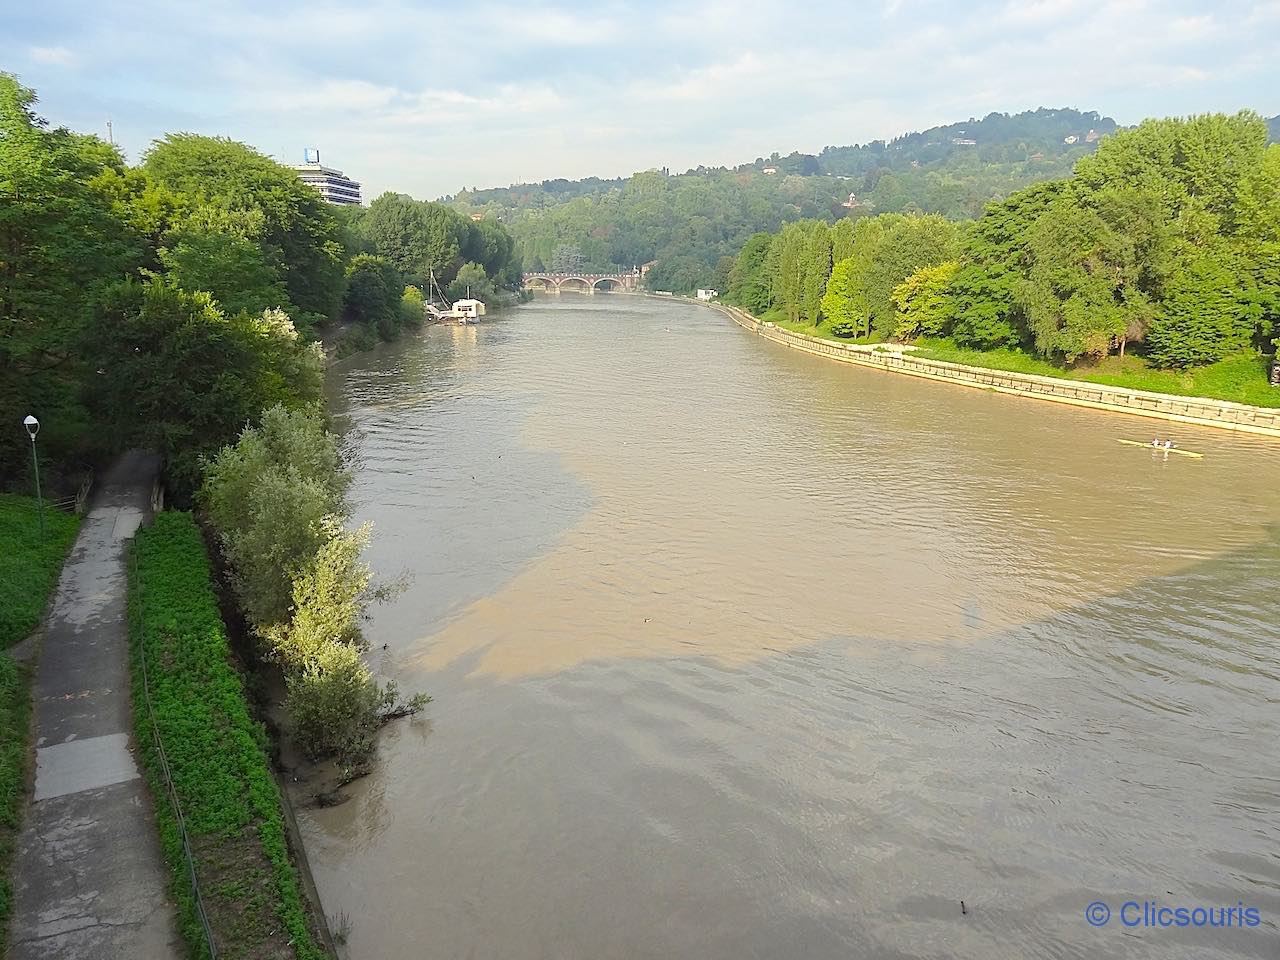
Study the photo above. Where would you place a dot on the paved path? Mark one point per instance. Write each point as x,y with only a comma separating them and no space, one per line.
89,881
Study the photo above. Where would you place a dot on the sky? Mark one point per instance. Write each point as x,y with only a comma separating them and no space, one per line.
431,98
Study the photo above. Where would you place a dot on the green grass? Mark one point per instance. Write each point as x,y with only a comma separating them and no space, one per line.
15,707
29,567
217,755
1241,378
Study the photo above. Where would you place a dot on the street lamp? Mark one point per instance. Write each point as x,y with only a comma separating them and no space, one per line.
33,427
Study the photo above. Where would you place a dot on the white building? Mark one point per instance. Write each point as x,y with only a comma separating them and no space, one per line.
708,294
334,185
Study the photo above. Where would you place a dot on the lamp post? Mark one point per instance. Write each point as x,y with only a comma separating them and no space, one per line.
33,427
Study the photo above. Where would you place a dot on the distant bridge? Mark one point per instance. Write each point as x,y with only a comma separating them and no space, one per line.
589,283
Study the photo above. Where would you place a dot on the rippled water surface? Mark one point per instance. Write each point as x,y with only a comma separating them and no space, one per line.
738,652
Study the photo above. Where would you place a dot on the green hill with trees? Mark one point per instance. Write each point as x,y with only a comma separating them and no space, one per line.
1156,264
690,225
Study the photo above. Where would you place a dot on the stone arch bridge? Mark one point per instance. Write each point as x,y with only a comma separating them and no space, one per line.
589,283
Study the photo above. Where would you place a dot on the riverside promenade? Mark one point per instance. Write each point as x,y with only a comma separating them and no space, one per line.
1200,411
89,879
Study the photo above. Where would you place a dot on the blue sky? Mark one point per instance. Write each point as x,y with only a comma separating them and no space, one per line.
429,98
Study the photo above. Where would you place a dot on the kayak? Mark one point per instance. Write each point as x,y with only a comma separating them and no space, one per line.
1181,453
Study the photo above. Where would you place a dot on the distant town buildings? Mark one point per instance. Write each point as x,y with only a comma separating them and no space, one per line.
1091,136
708,294
334,185
964,142
770,171
477,217
1071,139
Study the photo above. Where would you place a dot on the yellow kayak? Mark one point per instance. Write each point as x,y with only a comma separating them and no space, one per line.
1181,453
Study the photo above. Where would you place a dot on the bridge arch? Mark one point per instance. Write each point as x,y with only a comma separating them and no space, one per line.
607,284
575,284
543,284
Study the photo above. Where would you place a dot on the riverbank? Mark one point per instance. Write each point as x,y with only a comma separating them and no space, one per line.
1201,411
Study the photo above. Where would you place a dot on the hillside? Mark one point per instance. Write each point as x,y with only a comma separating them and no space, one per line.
690,225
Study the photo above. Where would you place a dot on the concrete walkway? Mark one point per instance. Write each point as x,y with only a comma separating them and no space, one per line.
89,881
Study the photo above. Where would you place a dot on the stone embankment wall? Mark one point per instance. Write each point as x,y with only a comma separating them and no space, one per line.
1197,410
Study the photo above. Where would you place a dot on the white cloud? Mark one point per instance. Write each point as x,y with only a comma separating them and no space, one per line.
53,56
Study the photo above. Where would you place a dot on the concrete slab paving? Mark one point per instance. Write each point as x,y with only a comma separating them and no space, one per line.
90,883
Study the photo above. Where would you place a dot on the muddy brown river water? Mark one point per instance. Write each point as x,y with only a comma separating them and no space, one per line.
742,653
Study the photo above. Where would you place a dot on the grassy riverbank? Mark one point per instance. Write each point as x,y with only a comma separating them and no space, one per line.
1241,378
29,566
217,756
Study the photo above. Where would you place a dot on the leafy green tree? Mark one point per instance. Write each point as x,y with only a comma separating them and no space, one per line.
748,284
178,373
1204,317
844,303
473,282
815,271
412,307
982,310
372,298
220,252
420,239
61,244
1080,295
299,235
920,302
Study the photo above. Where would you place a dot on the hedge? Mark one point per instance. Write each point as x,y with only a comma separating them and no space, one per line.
217,756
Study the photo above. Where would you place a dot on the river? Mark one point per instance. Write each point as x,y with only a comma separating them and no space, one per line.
738,652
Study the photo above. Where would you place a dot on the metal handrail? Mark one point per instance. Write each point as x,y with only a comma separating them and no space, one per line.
187,852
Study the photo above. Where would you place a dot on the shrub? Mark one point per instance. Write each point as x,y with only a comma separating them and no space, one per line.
844,330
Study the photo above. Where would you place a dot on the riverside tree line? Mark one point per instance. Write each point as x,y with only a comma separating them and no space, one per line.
177,304
1167,238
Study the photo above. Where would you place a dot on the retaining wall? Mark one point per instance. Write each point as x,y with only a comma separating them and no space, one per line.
1198,410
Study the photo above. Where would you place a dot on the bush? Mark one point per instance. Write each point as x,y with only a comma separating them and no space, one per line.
844,330
216,752
268,497
277,499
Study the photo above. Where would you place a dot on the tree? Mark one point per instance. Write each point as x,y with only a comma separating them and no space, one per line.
299,235
220,252
421,239
61,245
748,284
1203,318
815,270
981,308
567,258
844,304
1080,294
179,373
372,298
920,302
471,282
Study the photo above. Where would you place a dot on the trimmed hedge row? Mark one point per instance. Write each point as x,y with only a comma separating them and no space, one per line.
217,756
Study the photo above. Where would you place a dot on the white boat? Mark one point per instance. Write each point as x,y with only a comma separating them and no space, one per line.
466,311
